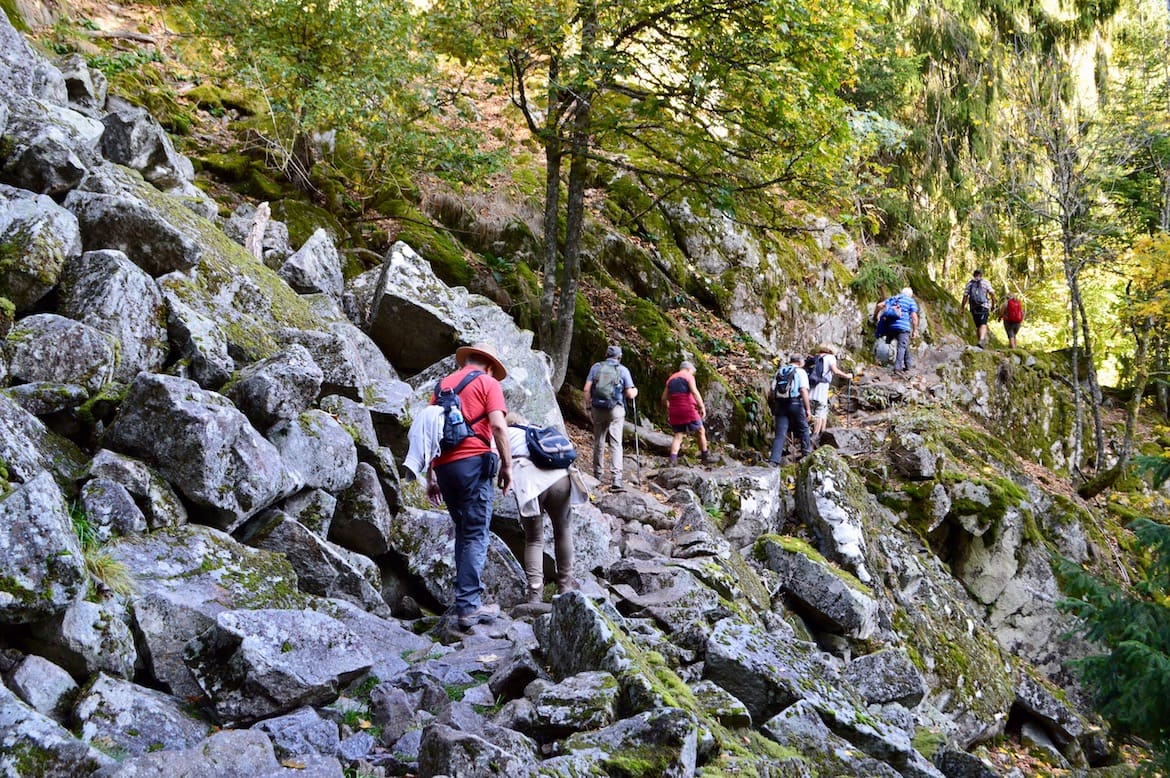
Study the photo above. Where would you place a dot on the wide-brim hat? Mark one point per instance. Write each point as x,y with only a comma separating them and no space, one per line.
826,348
485,351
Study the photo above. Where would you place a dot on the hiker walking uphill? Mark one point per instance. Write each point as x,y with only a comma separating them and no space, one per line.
1012,316
685,410
541,488
788,397
820,378
981,297
463,473
900,319
607,387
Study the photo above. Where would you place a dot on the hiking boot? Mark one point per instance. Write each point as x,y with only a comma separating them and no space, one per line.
617,486
484,614
706,457
535,597
571,585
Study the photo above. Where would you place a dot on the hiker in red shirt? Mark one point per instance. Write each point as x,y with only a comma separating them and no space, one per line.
1012,315
685,411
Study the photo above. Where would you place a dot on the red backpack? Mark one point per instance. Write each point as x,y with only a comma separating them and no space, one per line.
1013,311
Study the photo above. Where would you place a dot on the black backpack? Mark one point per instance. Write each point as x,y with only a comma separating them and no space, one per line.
782,384
817,373
456,429
548,447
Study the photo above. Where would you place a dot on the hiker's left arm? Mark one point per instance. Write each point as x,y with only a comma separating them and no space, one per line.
913,323
500,433
699,404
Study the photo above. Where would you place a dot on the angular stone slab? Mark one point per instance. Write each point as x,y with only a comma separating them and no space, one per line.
260,663
34,353
44,235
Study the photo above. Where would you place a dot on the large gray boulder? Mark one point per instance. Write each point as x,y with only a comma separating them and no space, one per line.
584,701
134,719
151,492
42,569
116,210
800,728
228,752
211,452
316,450
315,268
183,578
278,388
448,751
322,568
87,87
44,686
28,448
134,138
196,339
52,148
31,738
362,519
829,498
43,237
111,509
821,594
887,676
419,321
108,292
301,733
259,663
23,72
665,741
34,353
86,638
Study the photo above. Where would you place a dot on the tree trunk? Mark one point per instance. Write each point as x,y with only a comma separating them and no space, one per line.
553,154
1142,334
1094,384
562,339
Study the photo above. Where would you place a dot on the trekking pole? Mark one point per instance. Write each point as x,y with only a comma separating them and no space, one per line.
637,451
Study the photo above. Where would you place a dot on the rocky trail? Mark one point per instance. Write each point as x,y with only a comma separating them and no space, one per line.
212,564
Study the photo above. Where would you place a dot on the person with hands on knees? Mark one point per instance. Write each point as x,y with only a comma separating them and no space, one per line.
685,411
465,471
788,397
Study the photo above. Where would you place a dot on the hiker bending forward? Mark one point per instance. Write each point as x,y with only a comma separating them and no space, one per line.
463,476
981,297
790,404
538,491
607,387
685,410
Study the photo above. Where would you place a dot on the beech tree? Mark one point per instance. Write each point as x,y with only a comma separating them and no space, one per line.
709,97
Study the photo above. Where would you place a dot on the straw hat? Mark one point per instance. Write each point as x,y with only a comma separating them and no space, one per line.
826,348
485,352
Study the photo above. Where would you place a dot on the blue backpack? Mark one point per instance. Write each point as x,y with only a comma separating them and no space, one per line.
548,447
456,429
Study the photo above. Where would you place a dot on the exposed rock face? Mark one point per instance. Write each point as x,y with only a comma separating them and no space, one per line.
133,138
28,737
315,268
278,388
160,723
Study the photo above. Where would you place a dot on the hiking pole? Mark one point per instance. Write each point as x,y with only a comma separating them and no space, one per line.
637,451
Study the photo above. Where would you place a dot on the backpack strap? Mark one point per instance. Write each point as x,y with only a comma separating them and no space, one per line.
459,387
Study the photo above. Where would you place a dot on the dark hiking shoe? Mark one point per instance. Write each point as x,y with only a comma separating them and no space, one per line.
484,614
706,457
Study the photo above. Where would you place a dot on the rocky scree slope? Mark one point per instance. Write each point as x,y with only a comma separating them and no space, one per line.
211,563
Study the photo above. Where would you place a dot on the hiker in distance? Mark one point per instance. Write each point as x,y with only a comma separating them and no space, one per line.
685,411
607,387
1012,316
463,473
821,378
788,397
900,315
981,297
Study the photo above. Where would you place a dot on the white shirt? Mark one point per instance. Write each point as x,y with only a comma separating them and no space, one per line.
530,481
425,433
820,392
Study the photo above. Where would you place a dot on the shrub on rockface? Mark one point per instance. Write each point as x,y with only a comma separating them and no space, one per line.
1130,682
